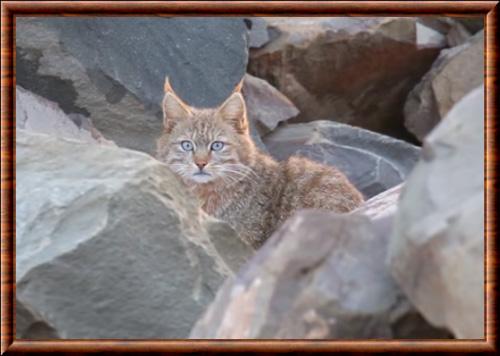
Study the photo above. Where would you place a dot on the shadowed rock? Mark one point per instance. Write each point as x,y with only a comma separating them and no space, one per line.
112,69
455,73
352,70
372,162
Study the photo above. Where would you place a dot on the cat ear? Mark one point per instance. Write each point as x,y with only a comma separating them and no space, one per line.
174,109
239,86
233,111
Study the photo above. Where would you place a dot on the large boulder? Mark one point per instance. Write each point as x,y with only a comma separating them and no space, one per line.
373,162
351,70
109,244
455,73
321,276
437,249
112,69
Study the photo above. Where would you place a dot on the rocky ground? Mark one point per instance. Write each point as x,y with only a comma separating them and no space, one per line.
109,245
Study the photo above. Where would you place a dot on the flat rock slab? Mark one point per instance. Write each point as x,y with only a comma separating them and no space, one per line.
373,162
110,245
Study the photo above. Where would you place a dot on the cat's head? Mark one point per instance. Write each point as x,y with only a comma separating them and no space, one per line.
206,145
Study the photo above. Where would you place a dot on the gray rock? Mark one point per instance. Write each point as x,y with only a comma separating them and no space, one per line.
474,23
437,249
34,113
112,69
266,106
455,73
373,162
30,323
321,276
257,34
352,70
457,35
109,244
441,24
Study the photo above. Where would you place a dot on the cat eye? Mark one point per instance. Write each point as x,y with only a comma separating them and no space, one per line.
217,146
187,145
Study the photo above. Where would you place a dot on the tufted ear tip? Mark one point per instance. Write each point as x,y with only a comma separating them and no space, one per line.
167,87
239,86
174,109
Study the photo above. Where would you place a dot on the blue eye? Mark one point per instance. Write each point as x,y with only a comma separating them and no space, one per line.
187,145
217,146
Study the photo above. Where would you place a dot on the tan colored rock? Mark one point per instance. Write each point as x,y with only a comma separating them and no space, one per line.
321,276
455,73
436,252
351,70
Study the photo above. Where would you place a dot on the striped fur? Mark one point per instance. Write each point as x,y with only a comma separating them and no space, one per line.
240,184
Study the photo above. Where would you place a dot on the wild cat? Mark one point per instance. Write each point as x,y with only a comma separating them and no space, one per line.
211,150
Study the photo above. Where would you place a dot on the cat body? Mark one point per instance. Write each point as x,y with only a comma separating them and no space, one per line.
212,152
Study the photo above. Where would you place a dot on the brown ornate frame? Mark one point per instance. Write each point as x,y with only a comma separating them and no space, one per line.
11,9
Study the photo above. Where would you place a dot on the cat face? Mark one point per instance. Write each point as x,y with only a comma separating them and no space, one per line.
206,145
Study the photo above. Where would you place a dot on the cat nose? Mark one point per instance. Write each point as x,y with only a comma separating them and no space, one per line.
201,164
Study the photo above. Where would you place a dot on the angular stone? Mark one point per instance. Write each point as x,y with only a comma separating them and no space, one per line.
473,23
31,325
321,276
351,70
372,162
34,113
257,34
110,245
455,73
457,35
266,106
436,251
113,69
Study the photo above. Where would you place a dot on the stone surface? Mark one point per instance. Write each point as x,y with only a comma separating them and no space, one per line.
109,245
437,249
455,73
30,324
373,162
474,23
351,70
322,275
257,34
457,35
266,106
34,113
113,69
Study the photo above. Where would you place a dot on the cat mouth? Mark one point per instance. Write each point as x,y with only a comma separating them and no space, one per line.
201,174
201,177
